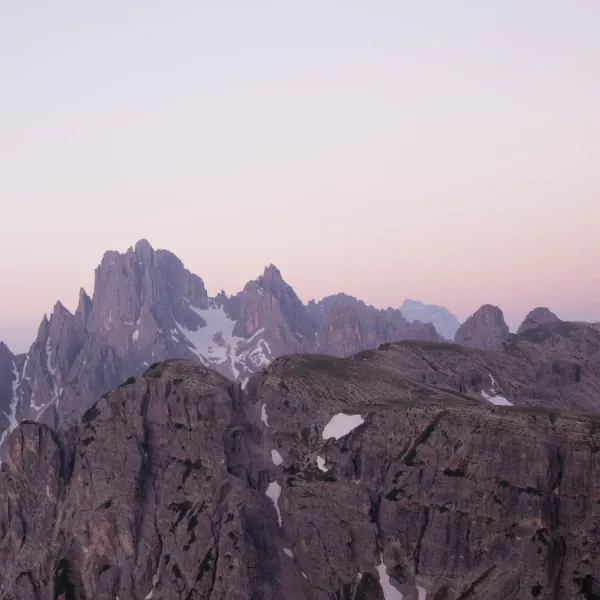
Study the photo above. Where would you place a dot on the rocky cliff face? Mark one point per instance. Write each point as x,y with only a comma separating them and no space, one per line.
445,323
558,368
147,307
326,478
486,329
8,378
347,325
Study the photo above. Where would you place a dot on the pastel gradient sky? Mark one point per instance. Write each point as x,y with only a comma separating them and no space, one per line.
445,151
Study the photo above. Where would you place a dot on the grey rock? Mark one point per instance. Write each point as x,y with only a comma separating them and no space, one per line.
164,491
347,325
538,316
147,307
486,329
445,323
84,307
7,378
553,367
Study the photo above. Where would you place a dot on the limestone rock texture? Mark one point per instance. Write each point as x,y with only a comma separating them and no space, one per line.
485,329
179,484
147,307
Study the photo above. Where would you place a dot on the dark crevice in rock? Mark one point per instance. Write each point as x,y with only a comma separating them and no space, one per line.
589,587
375,500
67,585
469,591
421,438
555,563
417,553
442,593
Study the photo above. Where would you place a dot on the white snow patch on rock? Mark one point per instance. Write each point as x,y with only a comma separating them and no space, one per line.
493,397
135,335
389,591
263,415
341,425
216,343
497,400
273,492
276,457
288,552
56,393
304,574
422,592
321,464
150,594
12,416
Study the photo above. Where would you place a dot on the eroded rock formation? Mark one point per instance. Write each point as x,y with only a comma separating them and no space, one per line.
179,485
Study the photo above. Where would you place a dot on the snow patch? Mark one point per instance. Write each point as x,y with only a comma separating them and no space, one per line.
216,343
52,372
288,552
154,584
25,368
341,425
263,415
135,335
497,400
49,367
276,457
389,591
260,356
274,492
33,403
422,592
304,574
321,464
12,416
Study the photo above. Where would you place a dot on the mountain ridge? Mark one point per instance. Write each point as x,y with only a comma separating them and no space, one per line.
146,306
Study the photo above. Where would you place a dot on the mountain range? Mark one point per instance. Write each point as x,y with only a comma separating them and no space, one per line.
176,446
147,307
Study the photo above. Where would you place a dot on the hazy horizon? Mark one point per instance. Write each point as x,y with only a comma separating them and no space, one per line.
21,343
446,152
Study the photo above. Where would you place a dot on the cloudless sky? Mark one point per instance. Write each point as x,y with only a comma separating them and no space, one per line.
444,151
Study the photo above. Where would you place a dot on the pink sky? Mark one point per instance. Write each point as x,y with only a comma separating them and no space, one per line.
366,148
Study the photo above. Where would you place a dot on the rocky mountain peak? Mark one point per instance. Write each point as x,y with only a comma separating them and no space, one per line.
272,280
59,310
147,307
84,307
43,329
4,349
443,320
144,253
485,329
538,316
